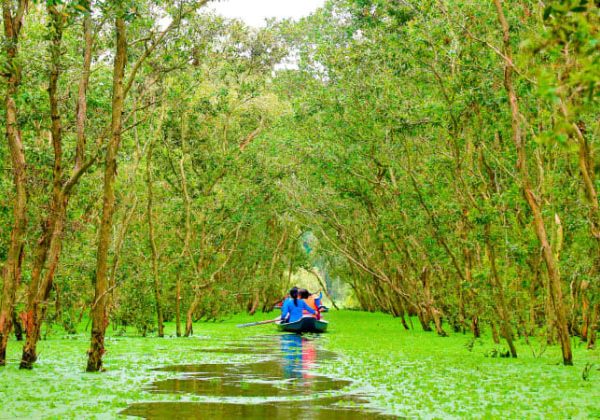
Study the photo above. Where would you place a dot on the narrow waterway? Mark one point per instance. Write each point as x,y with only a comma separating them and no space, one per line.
281,381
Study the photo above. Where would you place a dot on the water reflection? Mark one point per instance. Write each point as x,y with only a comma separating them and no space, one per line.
290,371
261,379
300,356
291,348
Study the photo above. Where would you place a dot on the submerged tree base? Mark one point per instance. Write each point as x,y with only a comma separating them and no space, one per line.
27,359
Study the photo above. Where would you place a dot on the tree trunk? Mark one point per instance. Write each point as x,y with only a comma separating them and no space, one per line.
532,295
37,299
498,293
152,240
178,306
585,311
185,251
550,317
467,293
12,73
254,303
81,107
437,321
189,330
40,286
120,240
495,335
433,312
475,327
423,318
57,303
98,312
18,327
554,280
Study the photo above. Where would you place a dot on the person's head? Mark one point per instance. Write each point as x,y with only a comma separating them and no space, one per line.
303,293
294,295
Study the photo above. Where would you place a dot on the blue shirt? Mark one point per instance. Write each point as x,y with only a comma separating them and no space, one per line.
294,312
318,300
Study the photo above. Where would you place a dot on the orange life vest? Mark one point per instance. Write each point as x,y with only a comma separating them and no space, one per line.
310,301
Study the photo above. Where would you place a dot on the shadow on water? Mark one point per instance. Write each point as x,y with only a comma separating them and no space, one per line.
288,372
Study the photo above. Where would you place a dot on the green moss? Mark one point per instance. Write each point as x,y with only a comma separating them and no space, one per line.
410,373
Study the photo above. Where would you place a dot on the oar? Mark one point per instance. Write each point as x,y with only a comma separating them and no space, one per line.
251,324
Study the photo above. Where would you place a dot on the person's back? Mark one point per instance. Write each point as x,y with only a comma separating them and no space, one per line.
292,309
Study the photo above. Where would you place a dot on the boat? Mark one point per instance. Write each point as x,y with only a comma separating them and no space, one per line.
304,324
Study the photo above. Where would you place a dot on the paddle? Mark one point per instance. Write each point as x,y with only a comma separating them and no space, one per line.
251,324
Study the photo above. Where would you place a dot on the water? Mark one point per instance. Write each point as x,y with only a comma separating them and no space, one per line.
281,383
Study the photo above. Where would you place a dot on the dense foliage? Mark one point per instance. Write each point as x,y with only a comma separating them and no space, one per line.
164,164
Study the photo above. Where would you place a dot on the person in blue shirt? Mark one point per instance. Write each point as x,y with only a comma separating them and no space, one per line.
292,308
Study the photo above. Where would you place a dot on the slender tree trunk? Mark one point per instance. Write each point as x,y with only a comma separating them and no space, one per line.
189,330
37,301
403,321
468,266
152,240
495,335
475,326
98,313
433,312
81,107
39,261
185,252
57,302
498,292
40,286
550,317
532,295
423,318
12,73
18,327
254,303
178,305
437,321
423,307
586,310
554,280
121,235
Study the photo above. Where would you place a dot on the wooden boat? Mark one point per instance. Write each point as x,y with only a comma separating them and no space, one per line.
305,324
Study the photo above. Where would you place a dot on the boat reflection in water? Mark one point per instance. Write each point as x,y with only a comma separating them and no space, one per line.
299,354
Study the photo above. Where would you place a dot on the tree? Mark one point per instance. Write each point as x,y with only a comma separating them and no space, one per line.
13,18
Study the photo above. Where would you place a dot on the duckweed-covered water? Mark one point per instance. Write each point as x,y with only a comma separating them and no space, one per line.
280,382
415,374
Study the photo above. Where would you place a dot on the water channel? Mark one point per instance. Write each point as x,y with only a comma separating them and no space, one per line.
281,381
